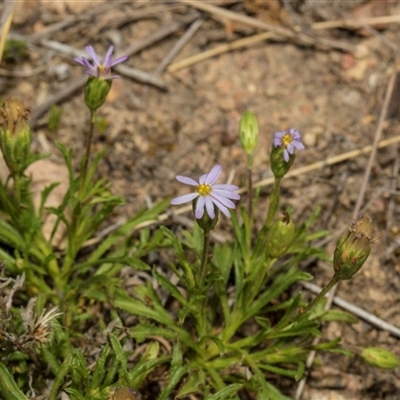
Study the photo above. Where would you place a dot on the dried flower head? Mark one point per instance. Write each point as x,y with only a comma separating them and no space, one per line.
38,329
289,141
353,248
208,194
98,69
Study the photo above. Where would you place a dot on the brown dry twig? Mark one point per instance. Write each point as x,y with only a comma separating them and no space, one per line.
298,37
357,311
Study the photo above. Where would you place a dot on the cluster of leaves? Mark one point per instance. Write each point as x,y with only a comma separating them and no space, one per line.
225,321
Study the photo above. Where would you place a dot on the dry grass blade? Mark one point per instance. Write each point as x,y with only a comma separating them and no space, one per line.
5,24
279,30
220,50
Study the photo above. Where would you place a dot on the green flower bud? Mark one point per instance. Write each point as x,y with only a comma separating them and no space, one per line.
15,135
96,91
353,248
279,166
206,222
380,358
280,236
248,132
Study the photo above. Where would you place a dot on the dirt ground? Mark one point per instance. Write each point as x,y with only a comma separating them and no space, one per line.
332,93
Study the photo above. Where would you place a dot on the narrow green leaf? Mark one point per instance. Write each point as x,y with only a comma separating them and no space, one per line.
8,387
118,351
226,392
172,289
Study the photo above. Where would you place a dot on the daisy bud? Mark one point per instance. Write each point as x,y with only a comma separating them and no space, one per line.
380,358
96,91
15,135
248,132
282,154
100,80
278,165
280,236
353,248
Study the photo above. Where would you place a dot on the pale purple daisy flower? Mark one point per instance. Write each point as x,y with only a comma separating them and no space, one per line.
209,194
97,69
289,140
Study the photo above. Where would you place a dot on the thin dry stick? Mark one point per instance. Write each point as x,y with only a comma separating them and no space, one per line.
178,46
220,50
360,199
393,185
359,312
66,22
377,138
355,22
160,34
279,30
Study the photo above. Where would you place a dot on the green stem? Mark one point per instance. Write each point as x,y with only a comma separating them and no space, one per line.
88,147
321,294
200,314
17,188
204,258
250,181
259,280
273,202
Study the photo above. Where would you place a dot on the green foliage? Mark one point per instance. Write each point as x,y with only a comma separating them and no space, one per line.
55,114
213,325
15,50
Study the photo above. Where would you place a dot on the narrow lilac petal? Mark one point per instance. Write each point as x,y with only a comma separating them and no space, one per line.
225,201
225,186
221,207
286,155
298,145
80,60
290,148
225,193
119,60
87,64
200,207
214,174
184,198
108,57
203,178
111,77
210,207
92,53
186,180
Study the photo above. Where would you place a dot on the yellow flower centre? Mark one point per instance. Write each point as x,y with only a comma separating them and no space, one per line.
287,139
203,189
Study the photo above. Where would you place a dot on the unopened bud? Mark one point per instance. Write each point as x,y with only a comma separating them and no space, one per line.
248,132
15,135
96,91
280,236
353,248
380,358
